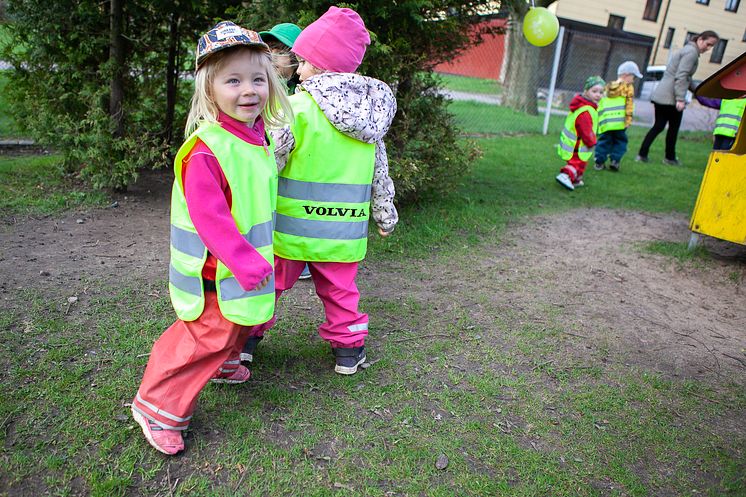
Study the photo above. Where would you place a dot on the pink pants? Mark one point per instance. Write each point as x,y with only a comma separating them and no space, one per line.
183,360
335,285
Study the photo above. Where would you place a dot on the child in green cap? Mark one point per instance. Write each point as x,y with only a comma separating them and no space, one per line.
578,136
280,40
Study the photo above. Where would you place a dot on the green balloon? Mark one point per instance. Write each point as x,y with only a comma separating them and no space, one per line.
540,27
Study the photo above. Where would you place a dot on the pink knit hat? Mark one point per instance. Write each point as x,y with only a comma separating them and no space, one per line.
335,41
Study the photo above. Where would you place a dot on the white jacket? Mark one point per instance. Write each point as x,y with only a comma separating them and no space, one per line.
361,108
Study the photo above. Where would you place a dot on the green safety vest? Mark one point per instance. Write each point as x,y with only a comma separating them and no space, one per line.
569,136
611,114
251,172
729,119
324,191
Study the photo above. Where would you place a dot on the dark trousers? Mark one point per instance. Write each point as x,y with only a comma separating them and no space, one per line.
723,142
663,114
612,144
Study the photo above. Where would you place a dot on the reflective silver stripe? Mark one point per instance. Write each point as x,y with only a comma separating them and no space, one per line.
569,134
610,120
730,116
729,126
567,147
233,362
358,327
312,228
323,192
159,423
584,149
160,412
187,242
232,370
231,290
188,284
609,109
260,235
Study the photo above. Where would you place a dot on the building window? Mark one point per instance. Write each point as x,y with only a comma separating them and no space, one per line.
718,51
616,22
690,37
732,5
652,8
703,2
669,38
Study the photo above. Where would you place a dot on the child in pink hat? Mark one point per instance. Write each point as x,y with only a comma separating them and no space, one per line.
333,176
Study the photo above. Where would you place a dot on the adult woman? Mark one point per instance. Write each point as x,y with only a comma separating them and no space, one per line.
669,96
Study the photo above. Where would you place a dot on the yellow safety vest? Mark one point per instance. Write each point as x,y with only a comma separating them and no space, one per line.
324,190
569,136
251,172
729,119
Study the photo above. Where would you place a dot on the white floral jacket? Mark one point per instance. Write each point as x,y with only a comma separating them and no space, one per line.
361,108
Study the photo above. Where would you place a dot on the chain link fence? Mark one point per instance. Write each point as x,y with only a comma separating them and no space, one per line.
476,81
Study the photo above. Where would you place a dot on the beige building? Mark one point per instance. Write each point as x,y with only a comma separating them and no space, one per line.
670,22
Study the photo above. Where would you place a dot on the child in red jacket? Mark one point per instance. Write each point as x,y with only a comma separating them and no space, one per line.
578,135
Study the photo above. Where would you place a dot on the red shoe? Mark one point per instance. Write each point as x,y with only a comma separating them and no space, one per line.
240,375
167,441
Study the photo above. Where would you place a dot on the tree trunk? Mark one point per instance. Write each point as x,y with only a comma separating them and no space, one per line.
523,69
172,77
117,56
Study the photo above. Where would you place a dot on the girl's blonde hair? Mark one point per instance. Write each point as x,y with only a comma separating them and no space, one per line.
276,113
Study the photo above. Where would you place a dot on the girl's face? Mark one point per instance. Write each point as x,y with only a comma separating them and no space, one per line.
594,93
283,62
240,87
306,70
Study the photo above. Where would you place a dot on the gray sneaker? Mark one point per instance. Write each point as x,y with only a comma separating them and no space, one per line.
614,166
641,158
564,180
348,359
247,354
599,166
672,162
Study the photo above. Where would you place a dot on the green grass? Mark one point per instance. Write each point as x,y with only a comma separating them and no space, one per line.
497,395
515,178
679,251
470,85
35,185
8,127
516,424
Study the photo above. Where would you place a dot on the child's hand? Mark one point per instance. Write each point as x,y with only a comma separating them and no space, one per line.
263,283
384,234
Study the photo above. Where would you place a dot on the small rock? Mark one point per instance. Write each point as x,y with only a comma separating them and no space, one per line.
44,273
442,462
113,205
72,300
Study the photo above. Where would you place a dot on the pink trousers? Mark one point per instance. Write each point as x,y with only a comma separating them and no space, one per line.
185,357
335,285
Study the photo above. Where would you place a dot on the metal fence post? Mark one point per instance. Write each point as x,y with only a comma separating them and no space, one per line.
553,80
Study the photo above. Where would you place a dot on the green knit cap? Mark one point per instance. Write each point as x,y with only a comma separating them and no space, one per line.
286,33
593,81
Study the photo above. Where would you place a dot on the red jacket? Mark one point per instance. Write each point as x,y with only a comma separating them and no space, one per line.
583,122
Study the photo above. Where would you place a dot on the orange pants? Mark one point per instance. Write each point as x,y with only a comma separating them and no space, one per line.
183,360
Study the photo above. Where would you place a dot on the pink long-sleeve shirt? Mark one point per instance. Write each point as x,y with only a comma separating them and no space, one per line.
208,199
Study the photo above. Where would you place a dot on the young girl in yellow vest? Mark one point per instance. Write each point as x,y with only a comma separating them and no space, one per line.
333,167
578,135
223,200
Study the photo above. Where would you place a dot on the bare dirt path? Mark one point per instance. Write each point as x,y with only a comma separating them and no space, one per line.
683,319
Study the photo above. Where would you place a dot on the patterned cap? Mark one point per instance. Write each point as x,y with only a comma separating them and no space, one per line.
593,81
224,35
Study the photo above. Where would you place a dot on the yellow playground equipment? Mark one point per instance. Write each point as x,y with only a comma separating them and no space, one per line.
720,210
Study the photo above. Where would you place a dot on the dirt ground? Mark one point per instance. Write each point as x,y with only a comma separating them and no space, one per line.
683,319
